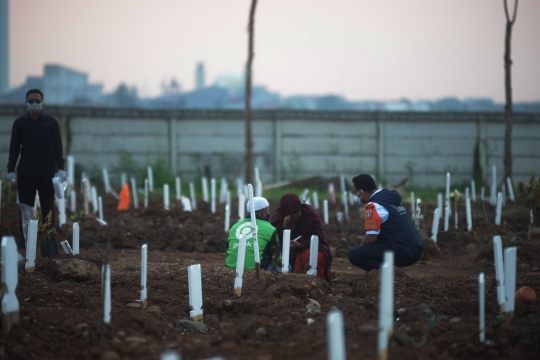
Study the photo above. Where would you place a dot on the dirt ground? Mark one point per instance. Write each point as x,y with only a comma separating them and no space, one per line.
436,301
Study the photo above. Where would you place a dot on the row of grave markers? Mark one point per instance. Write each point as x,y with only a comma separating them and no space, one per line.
505,274
497,199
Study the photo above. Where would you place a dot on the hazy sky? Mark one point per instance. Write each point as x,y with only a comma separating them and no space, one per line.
381,50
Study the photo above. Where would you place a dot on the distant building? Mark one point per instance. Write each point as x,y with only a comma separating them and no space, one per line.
60,86
199,77
4,46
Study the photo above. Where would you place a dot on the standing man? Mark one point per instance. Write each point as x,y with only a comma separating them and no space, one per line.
267,237
36,138
387,225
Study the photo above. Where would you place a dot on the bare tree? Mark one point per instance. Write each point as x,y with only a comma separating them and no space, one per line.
508,90
249,142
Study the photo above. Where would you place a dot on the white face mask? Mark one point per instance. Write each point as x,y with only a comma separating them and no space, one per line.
357,198
34,108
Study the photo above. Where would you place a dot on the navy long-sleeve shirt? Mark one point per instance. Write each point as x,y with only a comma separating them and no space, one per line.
39,144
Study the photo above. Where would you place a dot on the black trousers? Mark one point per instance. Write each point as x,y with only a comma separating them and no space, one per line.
27,187
371,256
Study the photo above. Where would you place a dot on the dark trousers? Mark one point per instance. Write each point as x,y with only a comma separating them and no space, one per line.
371,256
27,187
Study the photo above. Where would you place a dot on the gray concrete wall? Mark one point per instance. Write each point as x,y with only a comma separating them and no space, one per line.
295,144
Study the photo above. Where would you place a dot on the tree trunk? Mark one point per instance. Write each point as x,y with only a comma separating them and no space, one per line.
249,140
508,92
508,107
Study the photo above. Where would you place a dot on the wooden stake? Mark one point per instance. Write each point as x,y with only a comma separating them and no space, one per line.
10,303
195,292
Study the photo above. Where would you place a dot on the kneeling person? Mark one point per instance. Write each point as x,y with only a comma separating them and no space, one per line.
266,235
388,228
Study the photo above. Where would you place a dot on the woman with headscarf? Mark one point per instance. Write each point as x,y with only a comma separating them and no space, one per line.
303,221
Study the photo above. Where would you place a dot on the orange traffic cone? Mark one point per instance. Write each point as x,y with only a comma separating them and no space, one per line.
123,204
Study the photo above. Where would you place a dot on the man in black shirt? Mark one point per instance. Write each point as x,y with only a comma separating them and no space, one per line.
36,138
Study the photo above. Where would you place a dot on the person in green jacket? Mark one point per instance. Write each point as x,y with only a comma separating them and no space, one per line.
267,237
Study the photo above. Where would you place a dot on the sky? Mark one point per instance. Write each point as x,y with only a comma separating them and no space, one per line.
361,49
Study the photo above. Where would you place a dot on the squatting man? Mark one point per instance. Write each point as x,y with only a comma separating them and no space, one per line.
387,225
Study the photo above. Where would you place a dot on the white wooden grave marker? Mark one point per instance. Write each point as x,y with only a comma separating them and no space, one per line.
342,183
493,195
257,174
227,218
150,179
145,193
316,200
204,183
258,189
336,335
456,209
144,263
178,185
285,251
106,292
186,204
222,190
10,279
61,205
100,205
325,211
499,271
435,226
66,247
166,197
213,195
94,196
498,209
75,238
446,216
239,187
469,214
134,192
413,210
240,261
304,196
85,192
241,206
71,170
510,281
510,189
192,193
31,246
195,292
481,307
73,201
123,180
447,198
254,233
386,304
313,255
440,205
108,188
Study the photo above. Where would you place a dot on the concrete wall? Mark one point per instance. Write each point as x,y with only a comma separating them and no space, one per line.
295,144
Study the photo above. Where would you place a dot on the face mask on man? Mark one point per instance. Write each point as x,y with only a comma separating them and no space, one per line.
34,106
357,198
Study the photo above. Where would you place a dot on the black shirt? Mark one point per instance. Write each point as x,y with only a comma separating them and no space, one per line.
39,144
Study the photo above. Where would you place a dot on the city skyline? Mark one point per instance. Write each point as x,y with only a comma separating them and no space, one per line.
363,51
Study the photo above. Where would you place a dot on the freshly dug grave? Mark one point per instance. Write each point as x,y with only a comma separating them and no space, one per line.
277,317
